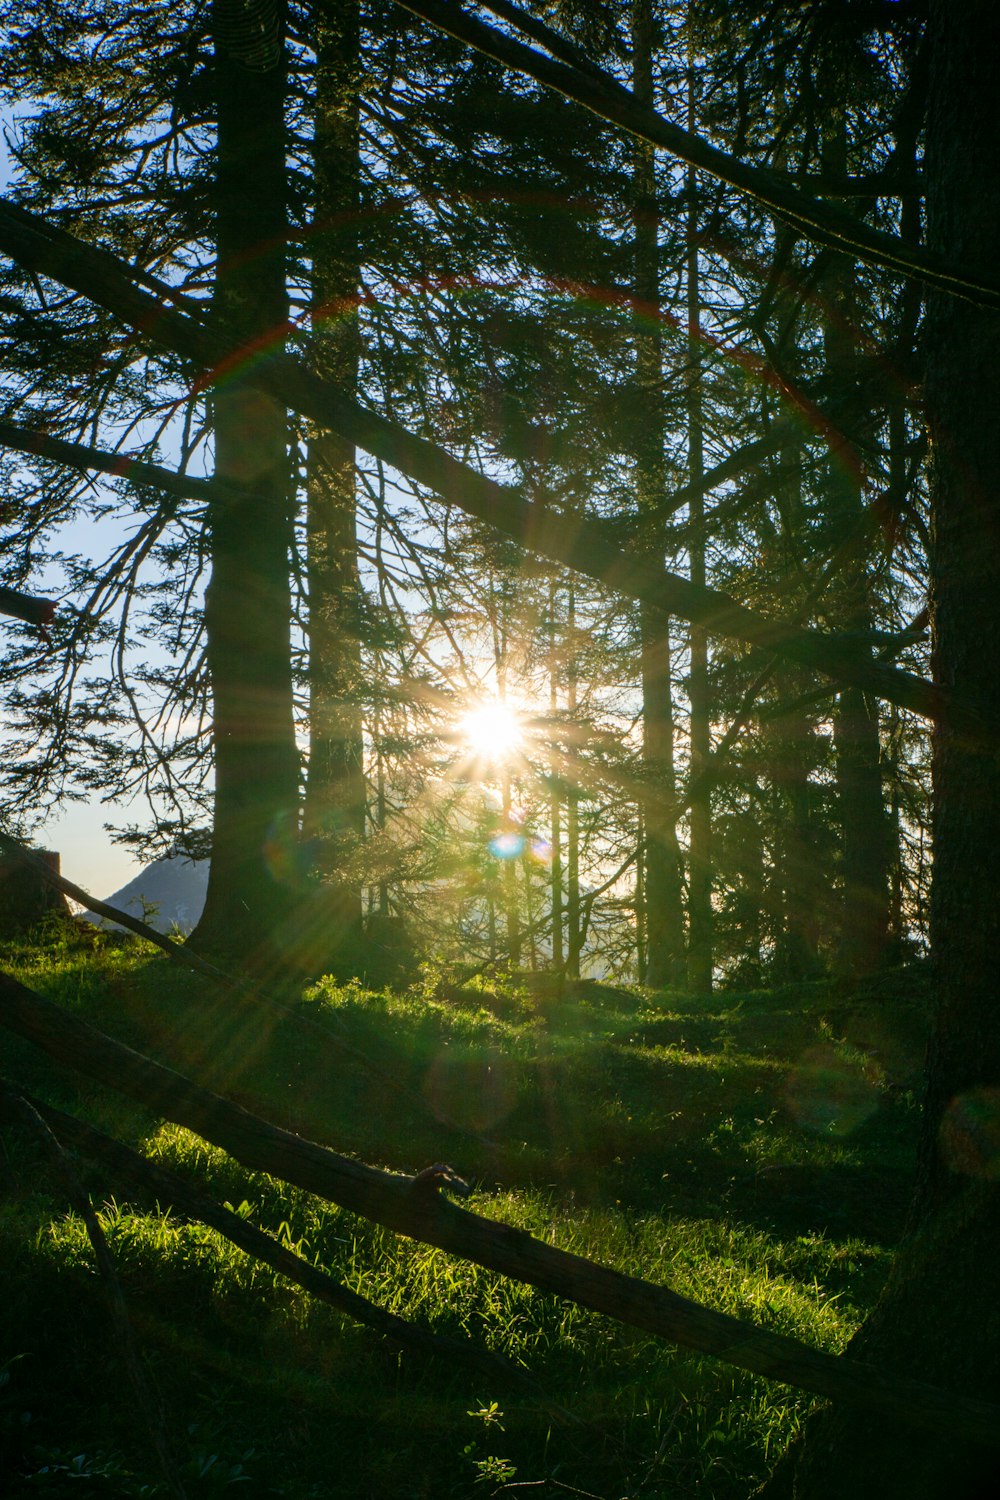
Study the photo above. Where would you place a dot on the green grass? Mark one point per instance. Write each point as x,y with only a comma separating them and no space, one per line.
754,1152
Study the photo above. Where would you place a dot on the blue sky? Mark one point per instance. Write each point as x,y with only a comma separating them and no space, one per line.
88,856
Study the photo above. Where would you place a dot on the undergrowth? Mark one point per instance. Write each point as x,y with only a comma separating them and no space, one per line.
752,1151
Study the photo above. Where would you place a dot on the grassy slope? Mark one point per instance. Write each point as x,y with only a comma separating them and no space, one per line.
754,1151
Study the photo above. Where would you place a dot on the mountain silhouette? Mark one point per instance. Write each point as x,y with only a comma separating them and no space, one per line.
168,894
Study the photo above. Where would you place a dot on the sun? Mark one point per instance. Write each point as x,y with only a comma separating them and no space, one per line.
492,731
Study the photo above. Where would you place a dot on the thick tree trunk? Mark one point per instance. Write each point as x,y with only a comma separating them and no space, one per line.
661,884
334,810
940,1316
247,603
573,932
511,898
865,845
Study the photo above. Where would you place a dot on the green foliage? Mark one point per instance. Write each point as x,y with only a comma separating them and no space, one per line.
651,1133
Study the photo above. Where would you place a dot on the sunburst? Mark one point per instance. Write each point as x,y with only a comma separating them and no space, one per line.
492,731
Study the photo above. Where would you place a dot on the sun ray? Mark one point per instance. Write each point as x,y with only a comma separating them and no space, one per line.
493,731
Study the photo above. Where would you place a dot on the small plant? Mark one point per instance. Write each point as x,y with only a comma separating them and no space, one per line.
490,1415
150,911
60,1472
209,1472
494,1470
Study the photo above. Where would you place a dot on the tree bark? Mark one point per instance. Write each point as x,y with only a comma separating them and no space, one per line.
555,796
864,925
864,921
248,600
700,920
27,897
939,1317
792,758
27,607
661,882
574,945
333,818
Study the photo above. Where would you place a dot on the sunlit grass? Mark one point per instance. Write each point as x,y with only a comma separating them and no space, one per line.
655,1135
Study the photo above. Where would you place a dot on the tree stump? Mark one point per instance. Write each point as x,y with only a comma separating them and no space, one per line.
26,897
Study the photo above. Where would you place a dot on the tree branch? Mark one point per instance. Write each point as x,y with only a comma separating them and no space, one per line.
28,607
605,97
120,465
574,542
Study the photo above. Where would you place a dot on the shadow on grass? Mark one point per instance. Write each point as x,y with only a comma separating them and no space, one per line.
792,1110
754,1151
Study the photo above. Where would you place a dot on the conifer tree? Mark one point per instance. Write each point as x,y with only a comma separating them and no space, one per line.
333,819
663,959
248,601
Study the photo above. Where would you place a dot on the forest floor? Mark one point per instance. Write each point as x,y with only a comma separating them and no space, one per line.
753,1151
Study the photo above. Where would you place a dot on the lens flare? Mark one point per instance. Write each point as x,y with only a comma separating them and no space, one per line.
829,1094
509,845
474,1090
970,1134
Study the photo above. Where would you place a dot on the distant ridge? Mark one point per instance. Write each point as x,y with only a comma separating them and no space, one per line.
175,886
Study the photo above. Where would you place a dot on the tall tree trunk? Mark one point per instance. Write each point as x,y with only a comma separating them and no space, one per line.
334,809
793,748
864,829
939,1318
512,917
661,874
750,867
573,933
640,901
700,945
555,801
792,759
865,844
248,603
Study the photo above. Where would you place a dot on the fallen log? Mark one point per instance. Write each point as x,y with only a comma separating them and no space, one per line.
416,1206
175,1195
